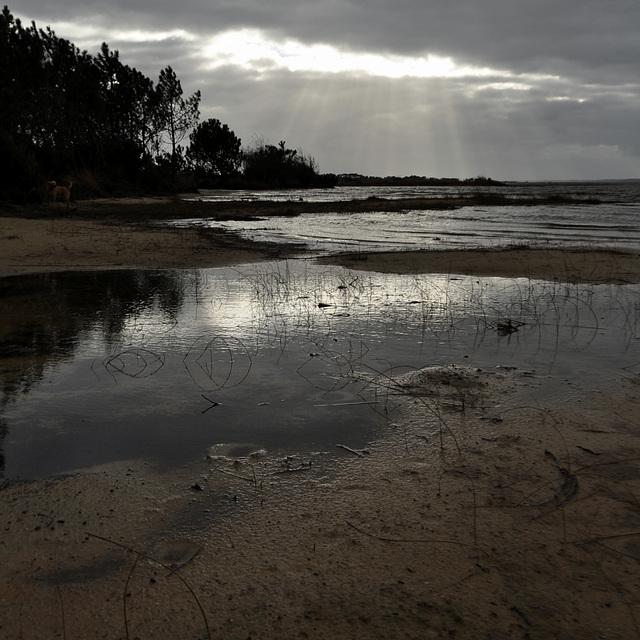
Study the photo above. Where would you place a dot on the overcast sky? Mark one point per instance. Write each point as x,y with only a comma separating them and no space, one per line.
518,90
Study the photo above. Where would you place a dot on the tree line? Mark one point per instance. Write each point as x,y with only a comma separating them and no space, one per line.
68,113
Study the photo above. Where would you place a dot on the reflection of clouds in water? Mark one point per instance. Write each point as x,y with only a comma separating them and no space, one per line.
269,353
265,305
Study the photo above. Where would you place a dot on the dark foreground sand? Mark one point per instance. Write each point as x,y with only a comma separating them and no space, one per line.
484,511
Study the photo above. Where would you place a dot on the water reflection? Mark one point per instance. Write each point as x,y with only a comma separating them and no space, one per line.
161,366
45,316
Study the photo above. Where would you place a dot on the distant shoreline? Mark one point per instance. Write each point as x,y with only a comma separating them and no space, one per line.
417,181
140,209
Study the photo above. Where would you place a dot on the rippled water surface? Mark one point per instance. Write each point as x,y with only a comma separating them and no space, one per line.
161,366
615,221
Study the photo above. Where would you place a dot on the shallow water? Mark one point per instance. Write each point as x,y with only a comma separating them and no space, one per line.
469,227
616,191
161,366
615,222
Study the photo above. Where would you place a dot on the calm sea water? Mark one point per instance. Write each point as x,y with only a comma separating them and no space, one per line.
614,222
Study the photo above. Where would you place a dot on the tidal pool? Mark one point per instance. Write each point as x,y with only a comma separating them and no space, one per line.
290,357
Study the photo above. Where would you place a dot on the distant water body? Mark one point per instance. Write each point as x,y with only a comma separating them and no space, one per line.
613,223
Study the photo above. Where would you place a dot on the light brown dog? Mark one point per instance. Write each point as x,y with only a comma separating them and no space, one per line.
55,190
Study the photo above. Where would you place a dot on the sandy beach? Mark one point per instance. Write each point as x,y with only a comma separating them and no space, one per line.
485,512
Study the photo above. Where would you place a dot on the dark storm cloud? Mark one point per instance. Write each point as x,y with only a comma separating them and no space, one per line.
435,126
558,97
523,35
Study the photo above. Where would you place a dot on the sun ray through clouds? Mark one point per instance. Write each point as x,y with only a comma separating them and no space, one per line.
252,48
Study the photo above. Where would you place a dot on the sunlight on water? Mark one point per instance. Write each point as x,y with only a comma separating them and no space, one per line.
161,366
615,222
621,192
465,228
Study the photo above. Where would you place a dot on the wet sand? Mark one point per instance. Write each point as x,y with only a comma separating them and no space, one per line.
103,236
125,234
482,512
559,265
